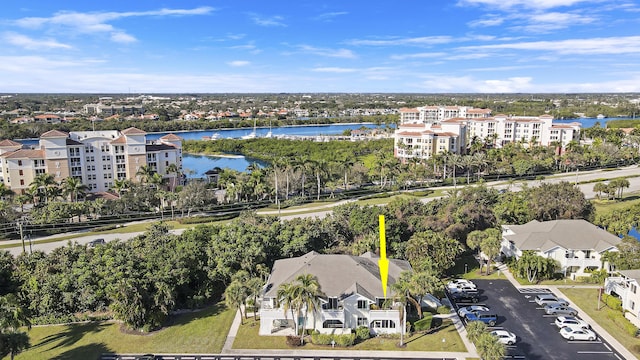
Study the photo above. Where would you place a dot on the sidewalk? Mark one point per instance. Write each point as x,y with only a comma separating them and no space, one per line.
556,291
227,348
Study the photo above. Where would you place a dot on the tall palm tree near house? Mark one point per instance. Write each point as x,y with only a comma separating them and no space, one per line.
455,161
173,169
309,293
42,186
144,173
288,298
121,185
74,188
235,295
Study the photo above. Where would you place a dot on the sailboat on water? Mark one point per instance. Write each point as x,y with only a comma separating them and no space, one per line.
251,135
269,134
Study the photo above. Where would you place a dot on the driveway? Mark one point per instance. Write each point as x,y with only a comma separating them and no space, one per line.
538,336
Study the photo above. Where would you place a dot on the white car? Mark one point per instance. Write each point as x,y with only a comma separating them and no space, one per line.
504,337
460,283
464,311
576,333
562,321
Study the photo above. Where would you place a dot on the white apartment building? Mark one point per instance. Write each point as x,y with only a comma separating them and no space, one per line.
95,157
426,140
625,286
109,110
434,114
419,128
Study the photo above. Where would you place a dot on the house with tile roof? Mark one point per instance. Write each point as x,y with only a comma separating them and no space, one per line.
353,294
577,245
625,286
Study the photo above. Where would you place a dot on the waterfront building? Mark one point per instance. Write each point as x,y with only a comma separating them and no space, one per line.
427,131
97,158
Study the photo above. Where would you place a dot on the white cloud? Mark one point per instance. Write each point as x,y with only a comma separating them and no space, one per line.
337,70
26,42
429,55
97,22
330,16
238,63
531,4
268,21
468,84
487,22
610,45
397,41
336,53
121,37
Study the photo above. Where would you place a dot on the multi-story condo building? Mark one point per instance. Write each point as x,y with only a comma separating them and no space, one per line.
109,110
420,127
95,157
625,286
434,114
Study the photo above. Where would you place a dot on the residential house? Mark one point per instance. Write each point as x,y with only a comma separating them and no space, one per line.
353,294
577,245
625,286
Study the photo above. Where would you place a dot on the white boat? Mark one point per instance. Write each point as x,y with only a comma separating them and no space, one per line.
251,135
215,136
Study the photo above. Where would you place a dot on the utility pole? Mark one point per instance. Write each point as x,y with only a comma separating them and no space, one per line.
24,249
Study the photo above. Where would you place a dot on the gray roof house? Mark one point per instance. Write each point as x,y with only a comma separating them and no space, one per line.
352,288
576,244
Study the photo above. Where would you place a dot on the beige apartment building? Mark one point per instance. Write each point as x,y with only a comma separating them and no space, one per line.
97,158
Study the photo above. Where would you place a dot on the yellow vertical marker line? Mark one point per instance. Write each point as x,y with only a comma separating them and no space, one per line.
383,263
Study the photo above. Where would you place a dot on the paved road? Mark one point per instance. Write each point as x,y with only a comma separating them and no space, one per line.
323,210
286,355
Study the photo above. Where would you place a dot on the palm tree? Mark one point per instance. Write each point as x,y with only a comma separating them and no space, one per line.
289,300
145,173
173,169
73,187
468,162
5,192
42,186
235,295
455,161
309,293
320,167
120,185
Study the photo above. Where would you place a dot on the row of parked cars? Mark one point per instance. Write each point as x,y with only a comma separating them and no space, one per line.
462,292
571,327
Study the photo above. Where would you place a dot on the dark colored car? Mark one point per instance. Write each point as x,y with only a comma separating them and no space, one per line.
465,296
96,242
487,318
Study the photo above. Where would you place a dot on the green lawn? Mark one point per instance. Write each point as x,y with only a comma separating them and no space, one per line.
587,300
603,207
248,338
467,267
198,332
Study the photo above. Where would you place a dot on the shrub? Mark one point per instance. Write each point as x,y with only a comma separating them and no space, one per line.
423,324
345,340
612,302
321,339
443,309
363,333
293,341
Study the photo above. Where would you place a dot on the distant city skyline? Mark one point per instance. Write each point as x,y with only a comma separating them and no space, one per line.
251,46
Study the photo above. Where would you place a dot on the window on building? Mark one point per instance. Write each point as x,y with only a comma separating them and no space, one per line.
362,321
362,304
332,324
383,324
166,154
22,182
632,305
19,162
633,288
21,172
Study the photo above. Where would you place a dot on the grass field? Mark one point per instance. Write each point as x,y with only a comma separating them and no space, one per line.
609,206
587,300
248,338
198,332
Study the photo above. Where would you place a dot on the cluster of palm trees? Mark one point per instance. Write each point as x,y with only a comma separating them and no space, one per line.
44,189
302,295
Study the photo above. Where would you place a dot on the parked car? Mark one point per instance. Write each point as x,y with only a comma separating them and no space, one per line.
576,333
463,311
543,299
463,287
560,310
487,318
504,337
460,283
571,321
96,242
464,296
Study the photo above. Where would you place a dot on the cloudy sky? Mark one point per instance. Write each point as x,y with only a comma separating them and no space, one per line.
435,46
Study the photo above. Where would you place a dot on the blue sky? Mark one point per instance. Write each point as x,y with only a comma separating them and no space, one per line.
491,46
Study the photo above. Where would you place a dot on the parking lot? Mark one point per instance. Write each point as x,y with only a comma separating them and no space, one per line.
538,336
